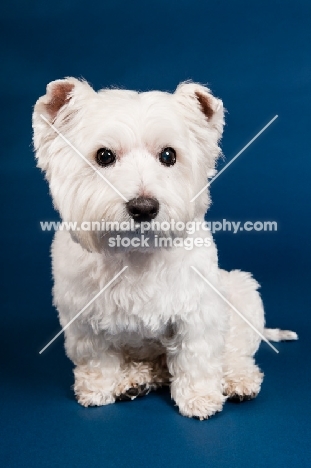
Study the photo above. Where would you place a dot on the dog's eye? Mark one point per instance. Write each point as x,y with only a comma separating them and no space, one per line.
105,157
168,156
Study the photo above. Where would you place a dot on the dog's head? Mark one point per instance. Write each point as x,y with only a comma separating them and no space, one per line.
152,152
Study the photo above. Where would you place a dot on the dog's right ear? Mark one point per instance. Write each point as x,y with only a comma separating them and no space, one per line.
58,95
61,106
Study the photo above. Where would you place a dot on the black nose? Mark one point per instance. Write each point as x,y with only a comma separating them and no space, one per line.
143,208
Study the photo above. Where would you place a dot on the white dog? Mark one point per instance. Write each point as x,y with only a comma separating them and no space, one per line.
158,322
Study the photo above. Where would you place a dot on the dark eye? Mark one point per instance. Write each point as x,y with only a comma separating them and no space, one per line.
168,156
105,157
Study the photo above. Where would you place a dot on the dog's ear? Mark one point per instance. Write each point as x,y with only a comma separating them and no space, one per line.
58,95
197,98
61,104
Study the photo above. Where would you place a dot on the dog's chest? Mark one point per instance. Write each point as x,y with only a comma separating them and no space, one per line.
144,306
145,300
150,293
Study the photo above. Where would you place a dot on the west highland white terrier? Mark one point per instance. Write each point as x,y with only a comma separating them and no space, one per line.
144,312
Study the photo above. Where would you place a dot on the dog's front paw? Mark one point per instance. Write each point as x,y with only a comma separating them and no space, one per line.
195,404
242,385
92,388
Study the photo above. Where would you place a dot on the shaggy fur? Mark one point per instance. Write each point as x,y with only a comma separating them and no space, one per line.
158,323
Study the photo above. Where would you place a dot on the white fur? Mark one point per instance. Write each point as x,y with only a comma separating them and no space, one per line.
158,306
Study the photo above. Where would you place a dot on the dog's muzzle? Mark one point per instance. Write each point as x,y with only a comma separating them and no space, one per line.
143,208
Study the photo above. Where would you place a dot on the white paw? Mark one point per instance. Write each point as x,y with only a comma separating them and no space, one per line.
194,404
133,376
92,388
244,384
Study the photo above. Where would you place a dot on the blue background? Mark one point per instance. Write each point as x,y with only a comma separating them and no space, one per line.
256,57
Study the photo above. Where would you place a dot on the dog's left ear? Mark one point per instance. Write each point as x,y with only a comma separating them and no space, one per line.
199,101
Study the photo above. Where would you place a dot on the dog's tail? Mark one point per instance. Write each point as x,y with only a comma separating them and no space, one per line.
275,334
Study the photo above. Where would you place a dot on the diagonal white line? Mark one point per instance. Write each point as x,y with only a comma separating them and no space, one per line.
85,307
235,157
81,156
235,310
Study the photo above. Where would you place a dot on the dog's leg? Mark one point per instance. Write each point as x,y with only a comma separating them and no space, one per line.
95,383
242,377
104,375
98,367
194,360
